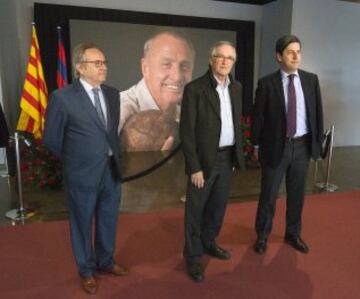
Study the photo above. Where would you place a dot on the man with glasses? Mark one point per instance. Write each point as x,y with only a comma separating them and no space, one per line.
81,128
211,142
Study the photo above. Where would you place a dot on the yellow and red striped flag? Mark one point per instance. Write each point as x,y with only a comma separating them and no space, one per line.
34,98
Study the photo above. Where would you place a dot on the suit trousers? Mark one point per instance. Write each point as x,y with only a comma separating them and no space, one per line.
294,165
98,207
205,207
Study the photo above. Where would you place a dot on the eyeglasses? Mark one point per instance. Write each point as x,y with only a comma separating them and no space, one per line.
97,63
222,57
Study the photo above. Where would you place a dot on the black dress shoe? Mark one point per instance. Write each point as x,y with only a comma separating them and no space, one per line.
216,251
195,271
297,243
260,246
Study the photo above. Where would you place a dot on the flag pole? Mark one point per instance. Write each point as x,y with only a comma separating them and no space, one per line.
61,74
20,214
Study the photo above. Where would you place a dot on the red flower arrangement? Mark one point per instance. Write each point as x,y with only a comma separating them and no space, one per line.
248,146
40,168
246,130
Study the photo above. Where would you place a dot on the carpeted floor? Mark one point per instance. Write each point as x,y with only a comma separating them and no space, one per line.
36,259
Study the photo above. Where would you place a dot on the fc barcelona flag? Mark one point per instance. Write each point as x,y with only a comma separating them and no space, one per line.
61,76
34,98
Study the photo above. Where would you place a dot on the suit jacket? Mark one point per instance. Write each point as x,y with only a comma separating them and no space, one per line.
269,118
200,124
75,133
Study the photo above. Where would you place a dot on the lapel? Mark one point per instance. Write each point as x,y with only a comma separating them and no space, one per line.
86,103
305,88
211,93
279,90
236,105
214,100
109,107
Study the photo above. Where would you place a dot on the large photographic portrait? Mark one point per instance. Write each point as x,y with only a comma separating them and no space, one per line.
150,65
150,95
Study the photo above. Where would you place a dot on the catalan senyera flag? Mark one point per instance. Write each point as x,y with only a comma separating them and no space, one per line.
61,76
34,98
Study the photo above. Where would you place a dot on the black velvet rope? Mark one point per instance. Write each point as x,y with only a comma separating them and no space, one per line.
325,144
152,168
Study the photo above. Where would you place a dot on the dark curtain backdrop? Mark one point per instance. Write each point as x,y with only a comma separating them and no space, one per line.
48,16
4,131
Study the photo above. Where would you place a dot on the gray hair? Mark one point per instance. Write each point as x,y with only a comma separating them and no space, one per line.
219,44
78,54
176,34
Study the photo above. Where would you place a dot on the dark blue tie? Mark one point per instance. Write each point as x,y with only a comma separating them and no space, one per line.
291,108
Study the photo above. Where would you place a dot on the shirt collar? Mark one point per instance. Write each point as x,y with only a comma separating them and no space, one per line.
219,83
284,75
87,86
145,92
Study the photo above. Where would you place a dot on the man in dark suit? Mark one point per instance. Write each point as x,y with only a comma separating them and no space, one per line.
81,128
211,141
287,131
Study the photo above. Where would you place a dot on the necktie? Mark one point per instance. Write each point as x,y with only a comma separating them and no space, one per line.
291,108
98,106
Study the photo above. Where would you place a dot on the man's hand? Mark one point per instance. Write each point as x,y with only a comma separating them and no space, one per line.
197,179
168,143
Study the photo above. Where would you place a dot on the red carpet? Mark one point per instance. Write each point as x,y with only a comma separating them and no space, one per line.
36,260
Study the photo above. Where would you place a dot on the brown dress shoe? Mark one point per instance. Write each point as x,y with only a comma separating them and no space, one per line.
117,270
89,284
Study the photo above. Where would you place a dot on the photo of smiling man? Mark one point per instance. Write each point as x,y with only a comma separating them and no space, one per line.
150,110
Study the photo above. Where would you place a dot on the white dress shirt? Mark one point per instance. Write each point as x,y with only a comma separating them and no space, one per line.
89,90
227,137
136,99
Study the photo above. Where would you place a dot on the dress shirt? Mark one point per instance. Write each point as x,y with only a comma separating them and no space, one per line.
301,118
136,99
227,137
89,90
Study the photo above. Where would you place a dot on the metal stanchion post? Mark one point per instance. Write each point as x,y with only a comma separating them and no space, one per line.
21,213
327,187
316,167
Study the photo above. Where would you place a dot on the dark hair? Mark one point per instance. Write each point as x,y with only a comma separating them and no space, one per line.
284,41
